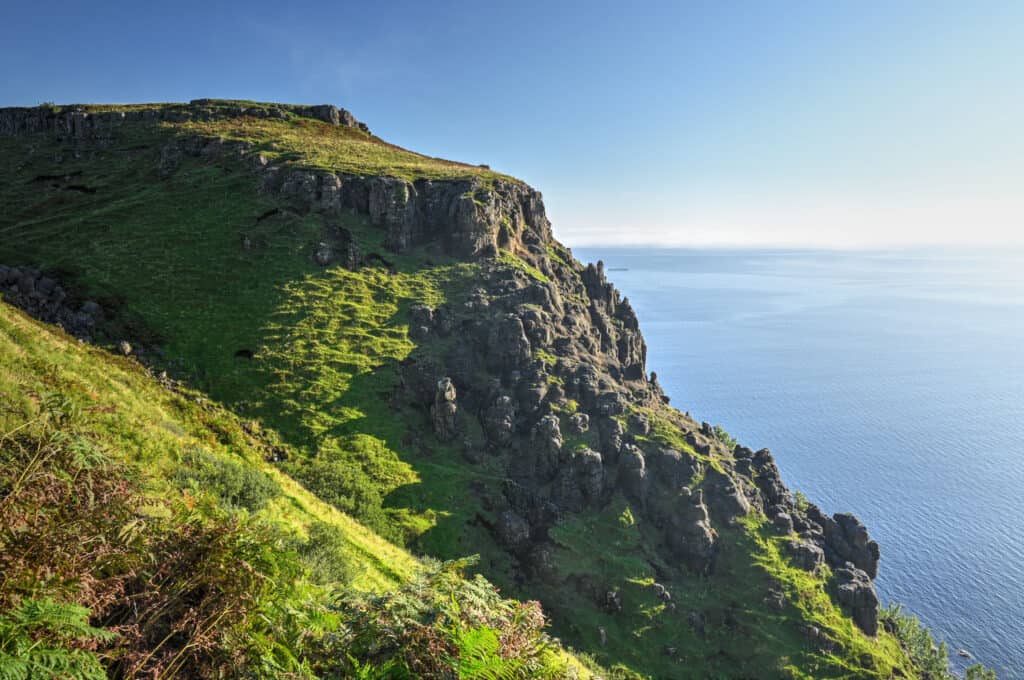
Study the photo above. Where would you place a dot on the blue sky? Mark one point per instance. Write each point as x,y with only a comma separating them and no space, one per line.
839,124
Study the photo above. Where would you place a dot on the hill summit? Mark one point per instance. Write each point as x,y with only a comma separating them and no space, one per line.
427,359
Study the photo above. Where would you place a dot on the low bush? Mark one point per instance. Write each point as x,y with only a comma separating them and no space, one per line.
930,659
441,625
238,485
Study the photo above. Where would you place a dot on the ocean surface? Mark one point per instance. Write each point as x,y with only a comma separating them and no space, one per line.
889,384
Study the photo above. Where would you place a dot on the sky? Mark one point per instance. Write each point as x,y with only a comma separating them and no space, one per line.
839,124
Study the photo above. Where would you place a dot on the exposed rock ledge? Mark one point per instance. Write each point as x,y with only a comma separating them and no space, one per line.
80,122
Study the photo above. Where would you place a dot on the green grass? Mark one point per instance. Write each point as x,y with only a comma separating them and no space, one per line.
612,550
160,431
316,144
510,259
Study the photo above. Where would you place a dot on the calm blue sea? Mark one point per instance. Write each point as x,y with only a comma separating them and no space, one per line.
890,384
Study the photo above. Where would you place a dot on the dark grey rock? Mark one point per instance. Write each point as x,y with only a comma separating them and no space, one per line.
546,443
806,555
783,523
512,530
579,423
855,590
444,410
499,421
689,532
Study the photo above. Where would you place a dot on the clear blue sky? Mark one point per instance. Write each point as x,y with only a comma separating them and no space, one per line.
815,123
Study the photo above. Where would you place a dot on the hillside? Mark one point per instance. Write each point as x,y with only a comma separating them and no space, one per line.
402,348
119,489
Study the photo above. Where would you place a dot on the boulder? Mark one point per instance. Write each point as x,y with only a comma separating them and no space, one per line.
633,474
579,423
589,473
851,542
611,433
638,423
724,497
855,590
444,410
673,469
546,444
499,421
689,532
508,349
783,523
805,555
512,530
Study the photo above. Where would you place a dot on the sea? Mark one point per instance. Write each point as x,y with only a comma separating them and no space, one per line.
889,384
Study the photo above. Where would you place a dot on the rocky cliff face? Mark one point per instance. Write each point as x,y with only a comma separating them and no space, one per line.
542,366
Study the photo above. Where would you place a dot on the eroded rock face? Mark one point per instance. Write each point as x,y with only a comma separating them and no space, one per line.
499,421
513,531
633,475
674,469
466,217
724,497
589,472
845,539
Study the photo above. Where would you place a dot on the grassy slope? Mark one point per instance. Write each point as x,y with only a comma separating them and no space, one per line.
327,342
159,432
338,148
133,414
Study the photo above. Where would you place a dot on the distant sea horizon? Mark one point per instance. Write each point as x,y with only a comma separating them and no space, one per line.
887,382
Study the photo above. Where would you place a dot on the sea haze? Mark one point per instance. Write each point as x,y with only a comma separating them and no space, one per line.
890,384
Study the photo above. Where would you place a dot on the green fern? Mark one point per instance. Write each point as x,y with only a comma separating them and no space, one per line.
36,638
479,657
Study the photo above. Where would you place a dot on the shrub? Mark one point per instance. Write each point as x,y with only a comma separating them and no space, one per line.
238,485
722,435
930,660
347,487
324,554
440,625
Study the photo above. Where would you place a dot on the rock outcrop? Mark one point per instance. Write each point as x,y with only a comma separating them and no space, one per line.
80,122
856,591
443,412
47,300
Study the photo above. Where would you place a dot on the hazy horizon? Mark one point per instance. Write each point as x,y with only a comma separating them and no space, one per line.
839,125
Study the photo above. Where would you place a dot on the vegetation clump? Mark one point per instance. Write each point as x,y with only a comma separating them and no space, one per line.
441,625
